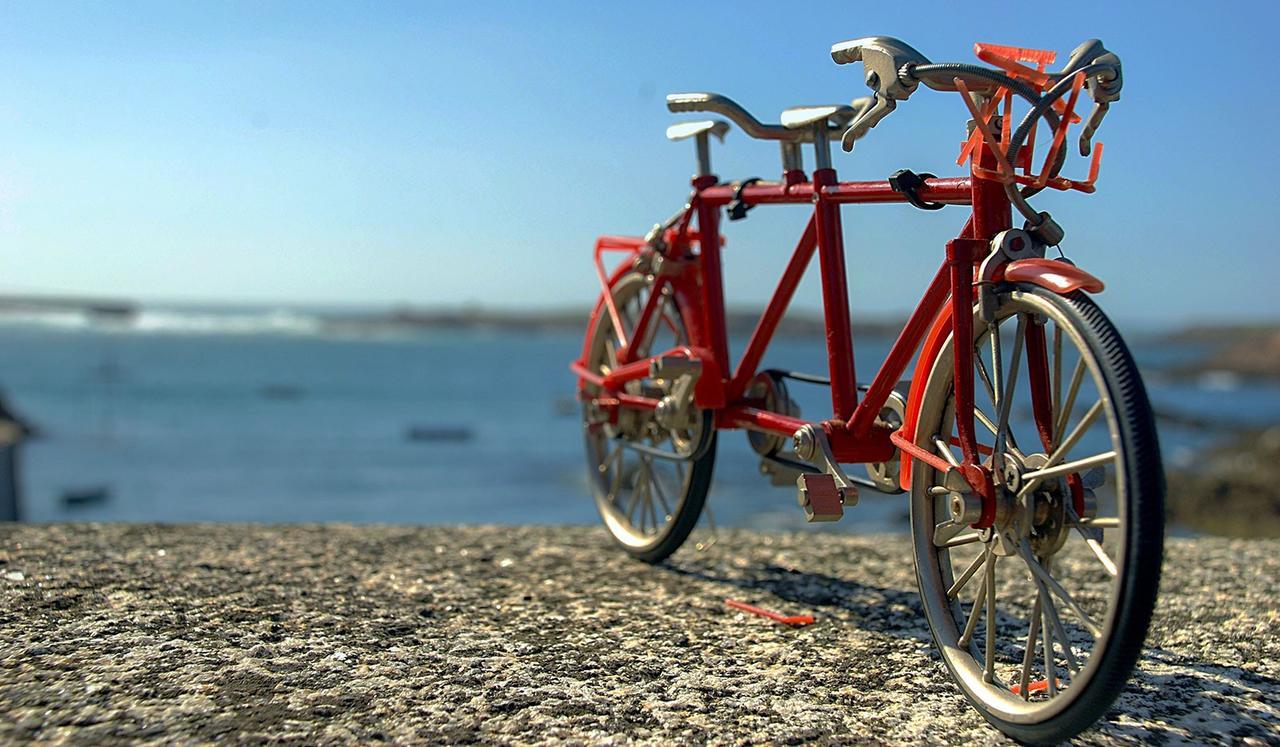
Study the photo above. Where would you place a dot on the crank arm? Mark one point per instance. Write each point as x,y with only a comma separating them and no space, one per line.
811,444
792,465
823,496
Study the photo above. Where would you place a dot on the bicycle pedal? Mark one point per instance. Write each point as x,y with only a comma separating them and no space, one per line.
820,497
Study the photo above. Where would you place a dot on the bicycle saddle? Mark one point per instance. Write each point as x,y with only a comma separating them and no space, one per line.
798,117
685,130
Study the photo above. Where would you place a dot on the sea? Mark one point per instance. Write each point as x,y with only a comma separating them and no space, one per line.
269,415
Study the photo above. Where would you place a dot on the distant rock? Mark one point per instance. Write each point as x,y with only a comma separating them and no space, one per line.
1232,489
1235,352
86,496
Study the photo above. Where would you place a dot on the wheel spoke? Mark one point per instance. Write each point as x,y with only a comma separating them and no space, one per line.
1006,397
643,499
989,673
1024,549
1064,416
997,364
631,506
946,451
653,511
1011,444
648,501
968,574
1029,653
975,611
986,377
653,489
1066,445
615,484
986,420
661,493
1060,633
1050,669
604,466
1034,477
611,354
1057,368
1098,551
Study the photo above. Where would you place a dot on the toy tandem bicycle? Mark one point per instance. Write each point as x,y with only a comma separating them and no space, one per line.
1024,437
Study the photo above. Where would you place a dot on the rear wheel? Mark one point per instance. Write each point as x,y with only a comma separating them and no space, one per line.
1041,616
650,481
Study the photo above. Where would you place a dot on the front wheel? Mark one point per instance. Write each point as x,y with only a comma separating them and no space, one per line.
1041,613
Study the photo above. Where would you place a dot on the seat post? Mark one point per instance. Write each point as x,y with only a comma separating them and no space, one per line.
821,146
792,157
704,153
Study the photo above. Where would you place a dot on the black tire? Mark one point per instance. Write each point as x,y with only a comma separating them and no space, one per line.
688,481
1140,513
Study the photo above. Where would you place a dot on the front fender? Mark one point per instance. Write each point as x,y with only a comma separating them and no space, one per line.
1051,274
938,335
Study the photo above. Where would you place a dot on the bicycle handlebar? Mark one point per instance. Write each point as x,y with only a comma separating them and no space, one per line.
714,102
893,69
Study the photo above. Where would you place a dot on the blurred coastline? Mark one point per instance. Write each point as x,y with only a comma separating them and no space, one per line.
160,412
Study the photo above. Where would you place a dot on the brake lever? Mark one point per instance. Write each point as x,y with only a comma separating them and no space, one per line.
885,62
1091,126
869,118
1103,88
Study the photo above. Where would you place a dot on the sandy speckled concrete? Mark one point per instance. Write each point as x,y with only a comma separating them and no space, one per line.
500,634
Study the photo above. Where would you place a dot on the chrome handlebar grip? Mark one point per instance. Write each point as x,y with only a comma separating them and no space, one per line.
1103,87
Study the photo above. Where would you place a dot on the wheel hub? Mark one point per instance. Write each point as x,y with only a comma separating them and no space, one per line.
1047,509
1043,520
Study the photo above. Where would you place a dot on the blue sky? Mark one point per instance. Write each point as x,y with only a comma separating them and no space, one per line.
439,154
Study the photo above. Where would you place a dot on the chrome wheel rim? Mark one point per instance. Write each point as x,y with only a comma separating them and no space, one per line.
1041,567
638,495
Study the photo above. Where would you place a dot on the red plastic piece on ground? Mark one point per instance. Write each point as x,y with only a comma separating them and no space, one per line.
1038,686
795,621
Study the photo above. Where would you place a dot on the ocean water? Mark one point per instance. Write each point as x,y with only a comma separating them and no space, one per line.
262,416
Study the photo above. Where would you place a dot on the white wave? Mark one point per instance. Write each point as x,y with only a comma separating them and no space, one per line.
1219,381
67,320
172,321
276,322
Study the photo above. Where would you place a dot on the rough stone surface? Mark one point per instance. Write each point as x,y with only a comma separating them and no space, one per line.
500,634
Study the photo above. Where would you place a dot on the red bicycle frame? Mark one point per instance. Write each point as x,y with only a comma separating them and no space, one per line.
854,430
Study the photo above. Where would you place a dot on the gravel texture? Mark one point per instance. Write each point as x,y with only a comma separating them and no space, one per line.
502,634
